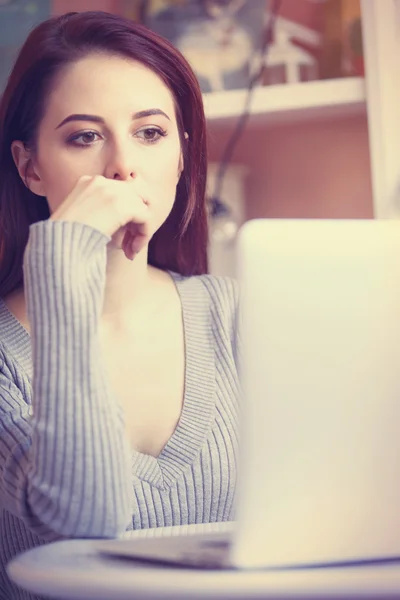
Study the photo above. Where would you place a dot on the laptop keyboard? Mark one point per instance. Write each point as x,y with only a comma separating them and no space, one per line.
196,551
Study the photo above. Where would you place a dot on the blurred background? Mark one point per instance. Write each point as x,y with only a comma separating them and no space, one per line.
285,99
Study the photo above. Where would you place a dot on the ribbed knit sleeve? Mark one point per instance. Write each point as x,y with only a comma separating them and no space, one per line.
65,460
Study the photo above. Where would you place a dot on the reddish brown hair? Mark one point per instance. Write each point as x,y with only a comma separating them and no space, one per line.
181,242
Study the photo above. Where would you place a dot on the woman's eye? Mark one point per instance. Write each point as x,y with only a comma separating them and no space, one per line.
84,139
151,135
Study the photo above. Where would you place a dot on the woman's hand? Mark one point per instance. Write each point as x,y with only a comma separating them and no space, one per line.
109,205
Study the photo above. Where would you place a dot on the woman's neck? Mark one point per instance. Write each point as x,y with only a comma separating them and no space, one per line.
127,283
135,292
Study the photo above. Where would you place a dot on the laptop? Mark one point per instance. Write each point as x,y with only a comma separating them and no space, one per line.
319,474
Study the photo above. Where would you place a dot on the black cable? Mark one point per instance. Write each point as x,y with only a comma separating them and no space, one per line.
217,207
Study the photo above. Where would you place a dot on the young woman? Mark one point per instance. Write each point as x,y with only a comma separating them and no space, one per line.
118,354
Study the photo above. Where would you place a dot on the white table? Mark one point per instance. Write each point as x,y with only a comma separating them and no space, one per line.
74,570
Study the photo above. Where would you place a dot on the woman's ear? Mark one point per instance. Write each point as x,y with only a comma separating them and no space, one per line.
24,162
181,161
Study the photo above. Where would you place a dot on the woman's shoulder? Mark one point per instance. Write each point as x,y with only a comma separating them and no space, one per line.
212,299
15,345
221,291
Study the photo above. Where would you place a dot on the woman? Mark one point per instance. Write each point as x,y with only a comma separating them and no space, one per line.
118,359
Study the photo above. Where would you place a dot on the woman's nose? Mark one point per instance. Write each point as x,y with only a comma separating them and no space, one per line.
122,176
121,163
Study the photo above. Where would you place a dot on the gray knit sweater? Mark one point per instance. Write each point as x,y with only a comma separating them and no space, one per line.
66,469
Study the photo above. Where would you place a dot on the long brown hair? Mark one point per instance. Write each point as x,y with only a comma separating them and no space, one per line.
181,242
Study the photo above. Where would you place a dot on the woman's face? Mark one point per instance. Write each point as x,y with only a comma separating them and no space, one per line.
114,117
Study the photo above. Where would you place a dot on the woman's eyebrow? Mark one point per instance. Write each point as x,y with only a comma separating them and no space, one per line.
95,119
149,113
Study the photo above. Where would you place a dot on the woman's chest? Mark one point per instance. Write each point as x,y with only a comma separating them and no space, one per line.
147,377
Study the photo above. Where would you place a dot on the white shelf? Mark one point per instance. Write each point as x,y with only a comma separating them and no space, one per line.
335,97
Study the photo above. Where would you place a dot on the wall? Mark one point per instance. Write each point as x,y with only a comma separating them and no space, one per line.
306,170
62,6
